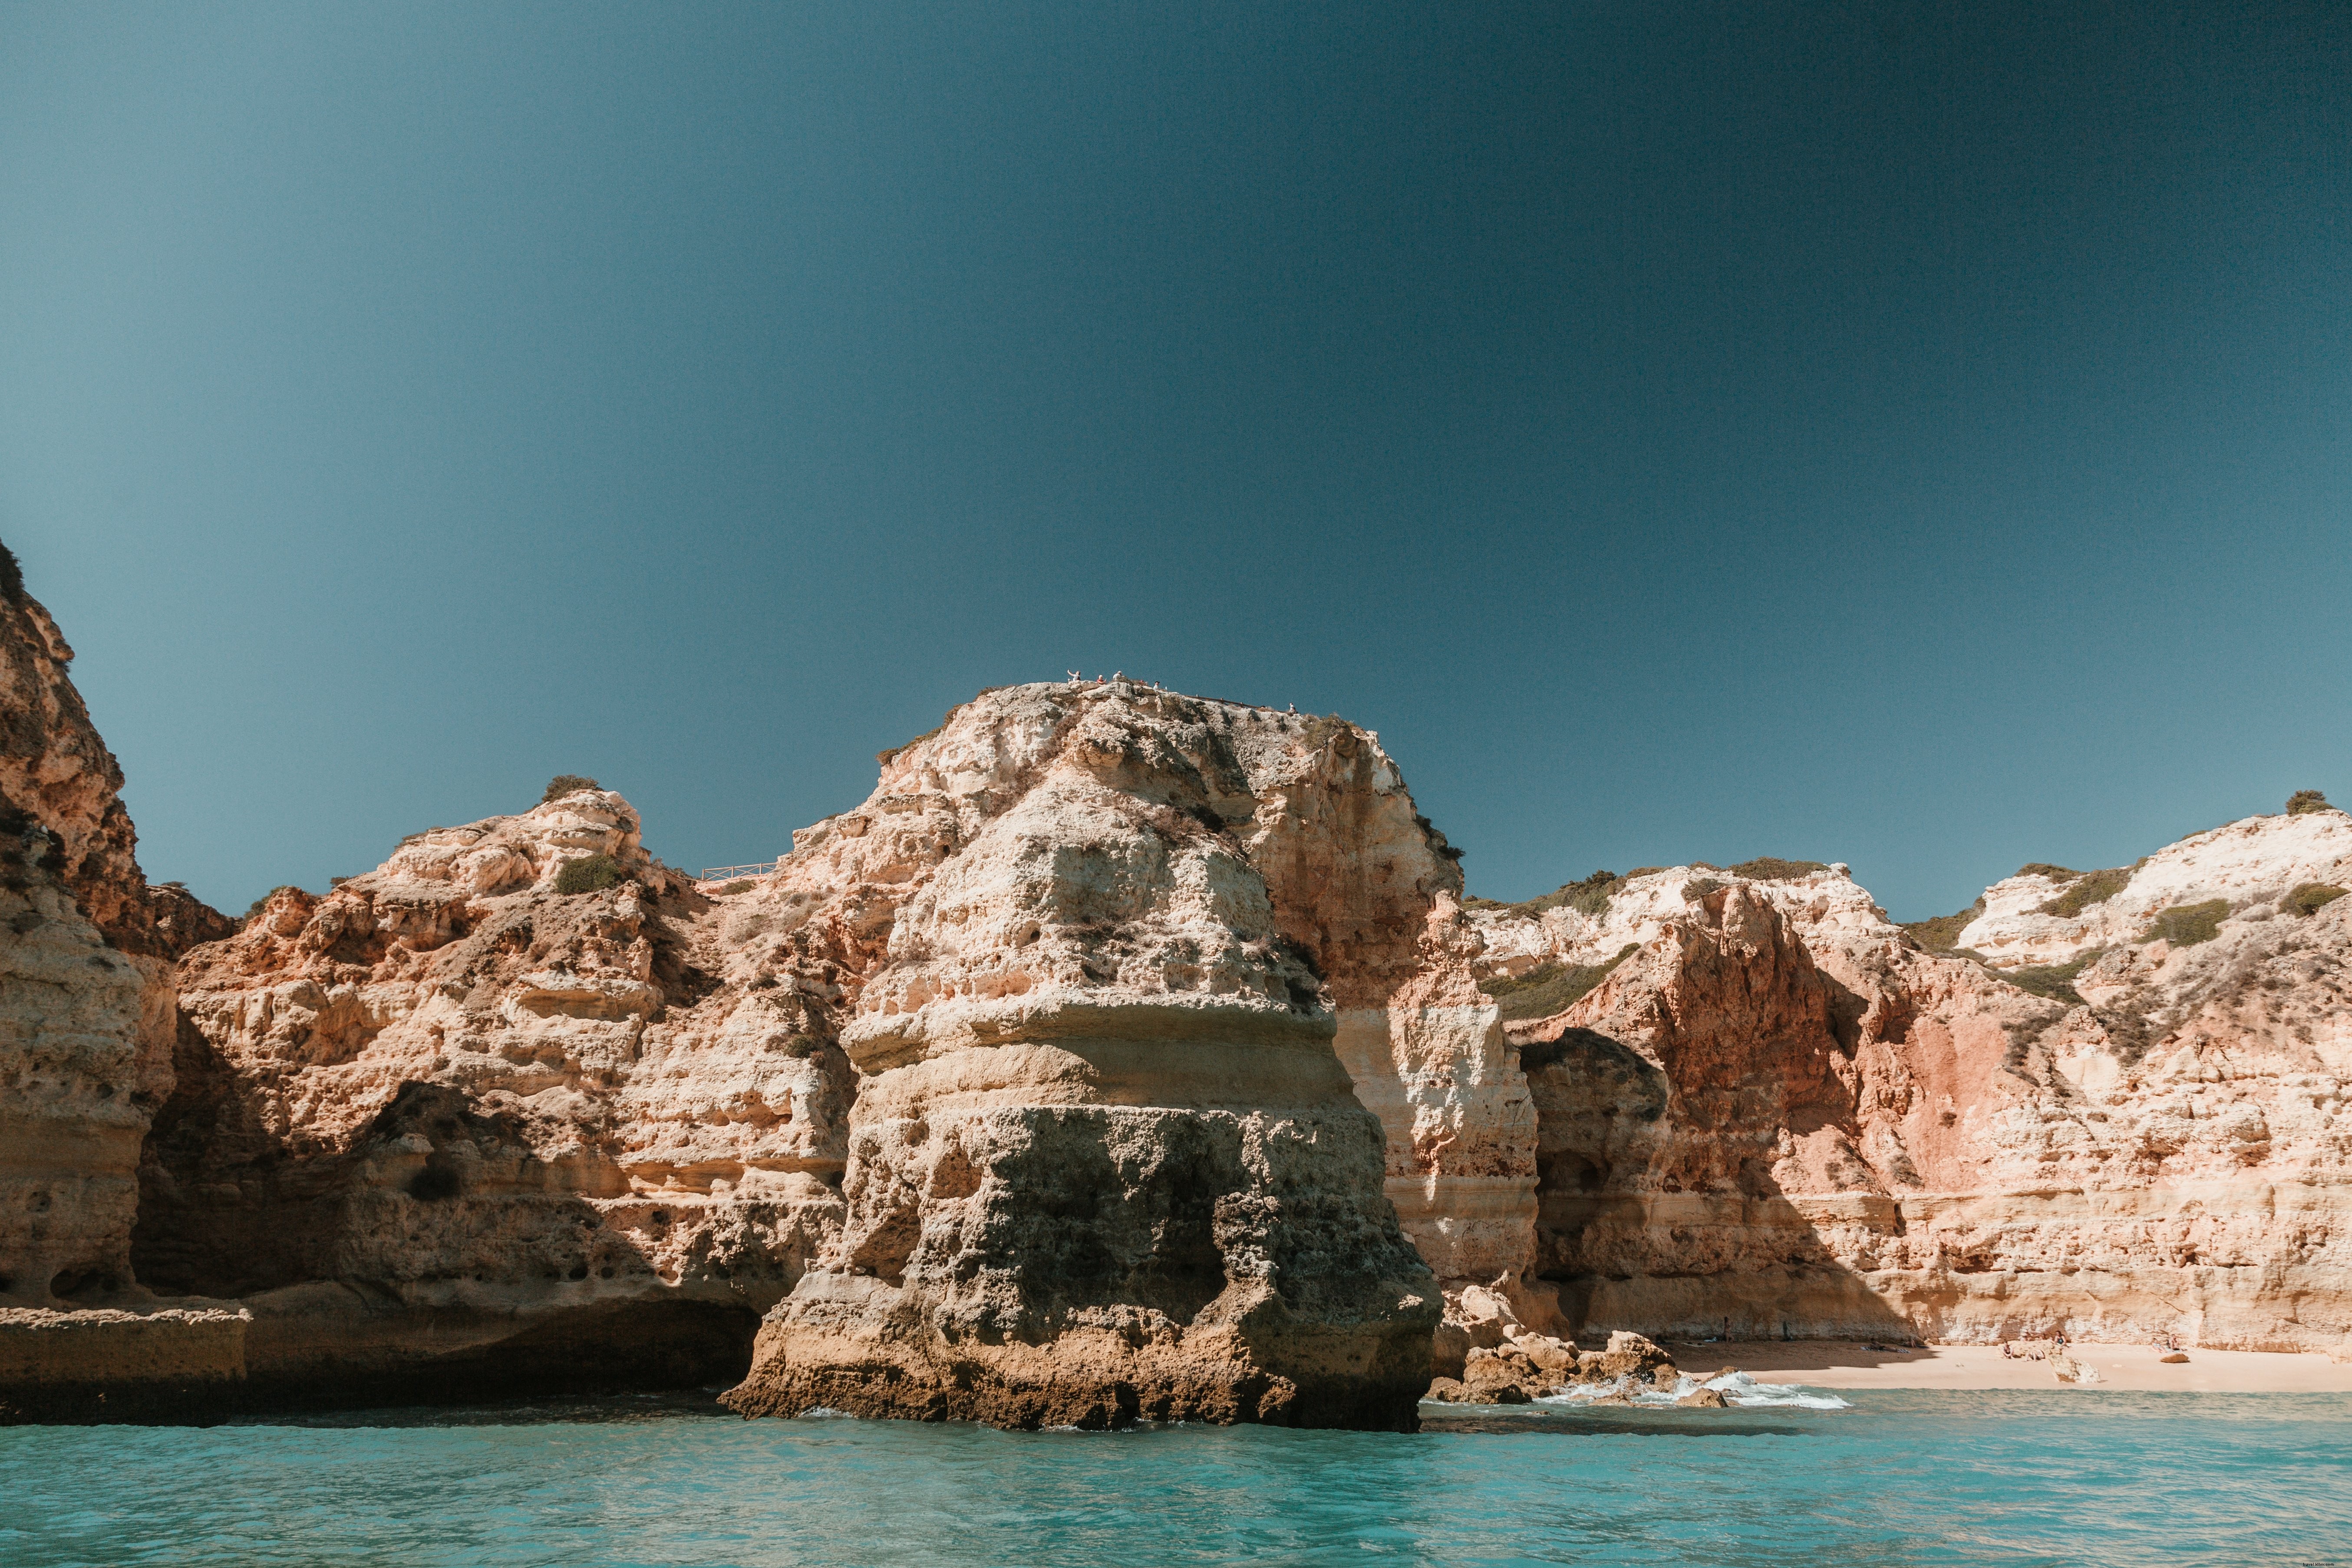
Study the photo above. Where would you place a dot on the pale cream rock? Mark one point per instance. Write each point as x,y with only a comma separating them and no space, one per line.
2251,864
514,1114
87,1015
1103,1162
78,1092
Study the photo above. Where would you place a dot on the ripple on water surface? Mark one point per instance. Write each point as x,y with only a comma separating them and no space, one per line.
1899,1478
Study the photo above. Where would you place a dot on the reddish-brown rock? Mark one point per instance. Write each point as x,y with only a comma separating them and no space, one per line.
450,1122
1780,1113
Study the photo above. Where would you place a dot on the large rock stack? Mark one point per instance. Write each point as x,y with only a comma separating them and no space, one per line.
1103,1162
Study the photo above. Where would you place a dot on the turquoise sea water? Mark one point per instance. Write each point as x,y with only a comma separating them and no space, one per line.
2064,1477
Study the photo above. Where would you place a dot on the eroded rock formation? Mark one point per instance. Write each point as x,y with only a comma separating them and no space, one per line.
472,1116
1779,1110
1125,1055
1027,1064
85,978
1104,1162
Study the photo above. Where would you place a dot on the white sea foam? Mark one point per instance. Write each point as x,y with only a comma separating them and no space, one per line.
1738,1389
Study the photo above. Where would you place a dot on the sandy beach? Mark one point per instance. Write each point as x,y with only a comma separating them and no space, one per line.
1850,1363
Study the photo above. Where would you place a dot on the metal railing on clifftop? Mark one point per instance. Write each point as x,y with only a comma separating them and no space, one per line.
730,873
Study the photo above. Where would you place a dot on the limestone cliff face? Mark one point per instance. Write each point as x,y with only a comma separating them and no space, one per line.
86,1001
1778,1108
57,774
1033,1049
450,1091
1103,1161
2047,915
76,1087
1124,1055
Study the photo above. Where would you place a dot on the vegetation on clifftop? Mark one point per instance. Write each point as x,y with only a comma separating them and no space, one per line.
1591,896
1942,934
1771,868
2186,925
2054,982
2089,888
2310,897
589,873
1552,988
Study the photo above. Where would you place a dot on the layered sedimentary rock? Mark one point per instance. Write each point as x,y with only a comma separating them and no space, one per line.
1123,1055
85,1013
451,1122
473,1117
1104,1162
76,1086
1780,1111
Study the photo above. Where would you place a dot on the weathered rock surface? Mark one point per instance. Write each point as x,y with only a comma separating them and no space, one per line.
1103,1162
76,1087
108,1363
56,775
1125,1055
2251,864
1530,1366
1778,1110
86,1002
450,1125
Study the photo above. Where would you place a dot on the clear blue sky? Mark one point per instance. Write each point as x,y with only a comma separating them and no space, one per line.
1909,434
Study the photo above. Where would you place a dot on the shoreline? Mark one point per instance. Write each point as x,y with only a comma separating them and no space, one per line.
2132,1368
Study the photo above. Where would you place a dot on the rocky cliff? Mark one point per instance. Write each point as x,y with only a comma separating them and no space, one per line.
1774,1110
1104,1162
487,1112
85,978
1124,1055
1024,1072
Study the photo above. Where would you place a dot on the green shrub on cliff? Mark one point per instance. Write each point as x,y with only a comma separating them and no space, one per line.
1942,934
1770,869
1552,988
2055,981
2186,925
589,873
562,785
1590,895
2304,801
2310,897
2091,888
